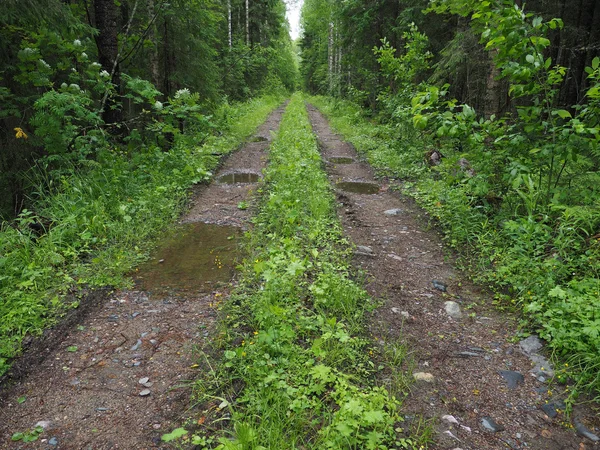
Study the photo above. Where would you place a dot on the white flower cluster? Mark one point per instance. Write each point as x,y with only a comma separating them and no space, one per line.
84,55
74,87
45,64
77,43
28,50
182,93
158,105
95,64
104,74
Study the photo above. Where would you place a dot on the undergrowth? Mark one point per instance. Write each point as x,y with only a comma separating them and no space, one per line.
95,224
546,265
297,368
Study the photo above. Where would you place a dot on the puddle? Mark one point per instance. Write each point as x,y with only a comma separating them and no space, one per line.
358,187
258,139
233,178
341,160
194,258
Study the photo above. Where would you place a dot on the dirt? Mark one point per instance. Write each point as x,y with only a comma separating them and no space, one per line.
461,358
88,377
117,376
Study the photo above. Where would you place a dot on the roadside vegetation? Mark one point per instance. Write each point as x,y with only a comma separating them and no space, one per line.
508,165
102,221
297,365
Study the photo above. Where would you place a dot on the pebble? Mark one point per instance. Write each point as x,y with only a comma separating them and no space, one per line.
490,425
450,419
583,431
143,380
513,379
102,409
531,345
53,441
364,250
468,354
113,318
423,376
453,309
145,393
440,286
393,212
135,314
137,345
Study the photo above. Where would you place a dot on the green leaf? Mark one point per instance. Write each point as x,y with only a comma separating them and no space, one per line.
563,113
530,59
21,399
17,436
175,434
72,348
595,63
557,292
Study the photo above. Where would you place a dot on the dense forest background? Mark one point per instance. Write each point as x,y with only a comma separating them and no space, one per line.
489,113
84,75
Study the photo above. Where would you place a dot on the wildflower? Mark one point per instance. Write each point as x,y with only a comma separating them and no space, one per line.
158,105
84,55
95,64
28,50
20,133
104,74
44,63
74,86
182,93
76,42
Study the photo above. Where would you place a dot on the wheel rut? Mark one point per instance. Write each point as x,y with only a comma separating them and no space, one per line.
473,380
121,378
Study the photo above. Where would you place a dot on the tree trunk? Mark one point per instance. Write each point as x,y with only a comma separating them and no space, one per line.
247,22
330,55
154,71
493,90
108,52
229,33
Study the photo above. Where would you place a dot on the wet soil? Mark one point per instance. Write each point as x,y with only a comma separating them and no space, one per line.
461,359
119,378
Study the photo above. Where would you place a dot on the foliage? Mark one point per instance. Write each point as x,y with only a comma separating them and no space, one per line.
97,222
294,327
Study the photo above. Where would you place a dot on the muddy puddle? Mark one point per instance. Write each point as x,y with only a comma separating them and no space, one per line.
196,257
341,160
239,177
358,187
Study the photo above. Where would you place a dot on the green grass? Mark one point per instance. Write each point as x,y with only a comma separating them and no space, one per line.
297,369
104,220
546,265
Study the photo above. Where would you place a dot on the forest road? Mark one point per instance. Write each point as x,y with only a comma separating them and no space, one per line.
120,378
473,379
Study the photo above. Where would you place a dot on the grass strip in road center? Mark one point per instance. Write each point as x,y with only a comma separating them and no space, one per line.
296,370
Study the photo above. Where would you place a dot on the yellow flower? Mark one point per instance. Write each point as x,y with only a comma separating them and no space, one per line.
20,133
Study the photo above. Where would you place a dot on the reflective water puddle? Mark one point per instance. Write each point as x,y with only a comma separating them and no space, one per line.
341,160
195,258
358,187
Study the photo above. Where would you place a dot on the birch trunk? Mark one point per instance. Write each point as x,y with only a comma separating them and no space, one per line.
248,22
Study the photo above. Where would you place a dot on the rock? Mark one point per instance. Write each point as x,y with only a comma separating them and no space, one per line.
531,345
423,376
440,286
543,368
135,314
102,409
404,314
113,318
145,393
583,431
45,424
550,409
467,354
450,419
453,309
488,424
364,250
393,212
137,345
53,441
143,380
513,379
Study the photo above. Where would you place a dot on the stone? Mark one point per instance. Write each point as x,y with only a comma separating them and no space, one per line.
143,380
467,354
364,250
137,345
512,378
113,318
531,345
583,431
450,419
543,367
488,424
145,393
53,441
439,285
423,376
453,309
45,424
393,212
